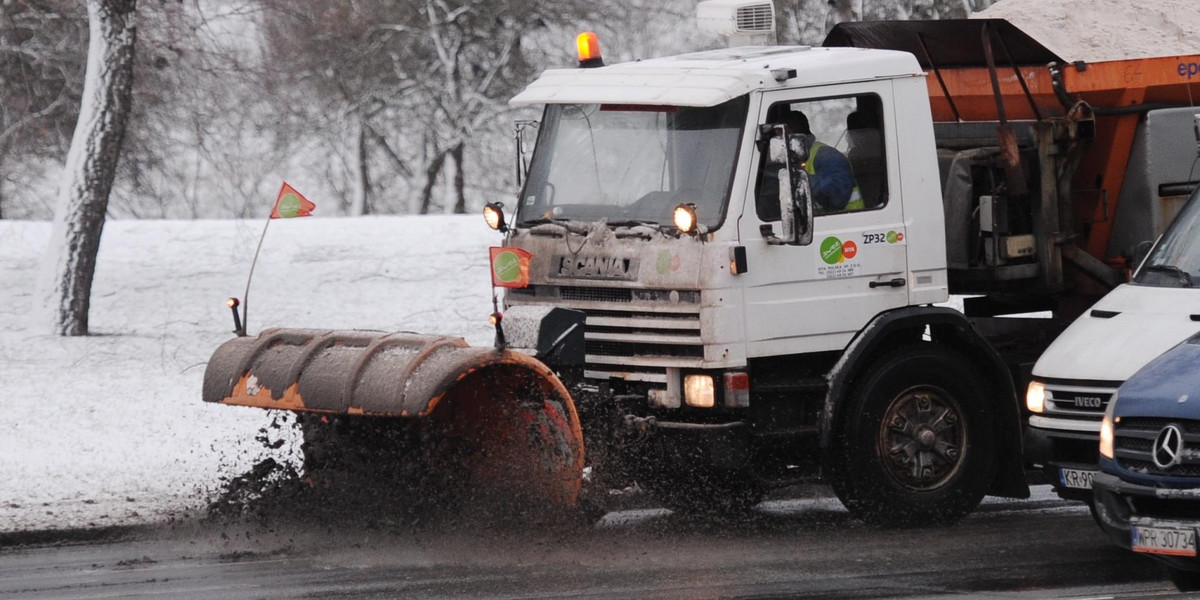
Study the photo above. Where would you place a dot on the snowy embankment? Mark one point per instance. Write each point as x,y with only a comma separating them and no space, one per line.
110,429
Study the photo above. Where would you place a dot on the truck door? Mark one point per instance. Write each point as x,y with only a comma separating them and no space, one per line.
816,297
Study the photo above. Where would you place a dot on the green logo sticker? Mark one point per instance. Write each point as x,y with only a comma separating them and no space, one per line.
831,251
507,267
891,237
289,206
663,264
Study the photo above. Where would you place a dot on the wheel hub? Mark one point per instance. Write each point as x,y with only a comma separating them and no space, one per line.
923,439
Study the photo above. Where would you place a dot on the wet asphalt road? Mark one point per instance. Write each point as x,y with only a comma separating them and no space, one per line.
1043,548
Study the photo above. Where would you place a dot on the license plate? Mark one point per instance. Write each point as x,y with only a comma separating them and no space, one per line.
1076,478
1163,540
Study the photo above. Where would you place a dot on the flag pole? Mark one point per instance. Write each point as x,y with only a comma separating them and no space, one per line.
246,296
288,203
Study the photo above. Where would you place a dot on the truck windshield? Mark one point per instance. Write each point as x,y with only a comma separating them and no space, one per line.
1175,260
633,164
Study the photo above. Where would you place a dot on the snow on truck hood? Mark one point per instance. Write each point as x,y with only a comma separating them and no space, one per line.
712,77
1149,321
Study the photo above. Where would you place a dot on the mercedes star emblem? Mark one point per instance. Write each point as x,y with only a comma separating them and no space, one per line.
1168,447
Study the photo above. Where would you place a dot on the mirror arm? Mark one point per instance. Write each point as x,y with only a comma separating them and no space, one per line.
768,233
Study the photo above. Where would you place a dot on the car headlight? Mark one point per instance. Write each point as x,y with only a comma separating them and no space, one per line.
1035,397
1106,429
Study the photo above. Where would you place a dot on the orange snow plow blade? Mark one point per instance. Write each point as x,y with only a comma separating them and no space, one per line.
512,414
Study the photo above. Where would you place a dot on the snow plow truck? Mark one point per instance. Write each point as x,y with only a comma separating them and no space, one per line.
686,310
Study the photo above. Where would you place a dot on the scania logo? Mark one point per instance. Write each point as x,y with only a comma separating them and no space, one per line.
593,267
1168,447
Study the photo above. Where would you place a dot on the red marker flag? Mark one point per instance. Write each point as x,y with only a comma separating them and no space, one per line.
510,267
290,203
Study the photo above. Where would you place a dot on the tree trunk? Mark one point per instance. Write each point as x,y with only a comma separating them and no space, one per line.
843,12
3,161
360,204
431,173
460,204
70,260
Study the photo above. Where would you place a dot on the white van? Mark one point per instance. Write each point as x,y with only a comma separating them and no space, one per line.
1076,377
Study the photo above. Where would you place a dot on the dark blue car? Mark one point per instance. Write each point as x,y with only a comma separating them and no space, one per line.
1148,490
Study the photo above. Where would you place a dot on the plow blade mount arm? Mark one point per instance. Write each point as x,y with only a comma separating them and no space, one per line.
507,408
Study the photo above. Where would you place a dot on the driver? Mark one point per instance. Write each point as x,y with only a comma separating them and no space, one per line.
830,176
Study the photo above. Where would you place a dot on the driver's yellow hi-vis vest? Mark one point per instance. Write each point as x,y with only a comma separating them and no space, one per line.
856,199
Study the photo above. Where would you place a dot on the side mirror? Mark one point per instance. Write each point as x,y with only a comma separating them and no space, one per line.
524,135
795,196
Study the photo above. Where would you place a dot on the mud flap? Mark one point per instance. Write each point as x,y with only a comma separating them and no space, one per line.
496,423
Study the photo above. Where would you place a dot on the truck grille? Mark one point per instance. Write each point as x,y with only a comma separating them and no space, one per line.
1133,445
631,334
596,294
755,18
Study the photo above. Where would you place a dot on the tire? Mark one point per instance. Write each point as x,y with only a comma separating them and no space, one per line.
1185,581
916,445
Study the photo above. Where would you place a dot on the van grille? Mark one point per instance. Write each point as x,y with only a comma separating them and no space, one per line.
758,17
1081,401
1133,445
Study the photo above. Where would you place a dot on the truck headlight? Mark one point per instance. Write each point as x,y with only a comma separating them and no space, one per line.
1035,397
698,391
493,214
685,218
1106,429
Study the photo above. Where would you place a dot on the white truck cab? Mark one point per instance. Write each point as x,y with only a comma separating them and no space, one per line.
1075,379
599,153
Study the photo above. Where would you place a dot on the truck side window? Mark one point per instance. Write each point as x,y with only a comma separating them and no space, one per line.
847,168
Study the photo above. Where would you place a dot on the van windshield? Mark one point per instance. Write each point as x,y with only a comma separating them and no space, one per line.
633,163
1175,259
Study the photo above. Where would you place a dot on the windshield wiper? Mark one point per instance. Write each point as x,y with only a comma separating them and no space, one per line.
559,225
542,221
634,223
639,228
1176,271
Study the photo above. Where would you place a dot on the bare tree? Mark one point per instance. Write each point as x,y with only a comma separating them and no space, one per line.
427,81
41,73
70,260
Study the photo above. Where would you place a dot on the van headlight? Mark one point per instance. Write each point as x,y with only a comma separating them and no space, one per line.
1035,397
1106,429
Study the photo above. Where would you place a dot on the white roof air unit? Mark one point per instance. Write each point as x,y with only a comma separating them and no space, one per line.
740,22
756,18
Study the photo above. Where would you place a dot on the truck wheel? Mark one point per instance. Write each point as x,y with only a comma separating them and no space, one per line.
1185,581
916,445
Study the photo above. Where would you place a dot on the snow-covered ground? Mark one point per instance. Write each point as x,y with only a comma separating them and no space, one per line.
110,428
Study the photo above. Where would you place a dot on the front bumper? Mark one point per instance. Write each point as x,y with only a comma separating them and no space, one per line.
1053,444
1118,502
